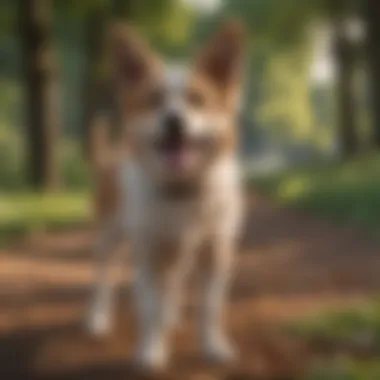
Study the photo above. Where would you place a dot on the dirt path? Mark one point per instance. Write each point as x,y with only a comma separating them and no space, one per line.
290,266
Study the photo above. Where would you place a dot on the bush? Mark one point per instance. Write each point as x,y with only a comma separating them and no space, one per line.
347,192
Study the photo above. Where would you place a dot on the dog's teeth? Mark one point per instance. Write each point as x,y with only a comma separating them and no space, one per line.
153,358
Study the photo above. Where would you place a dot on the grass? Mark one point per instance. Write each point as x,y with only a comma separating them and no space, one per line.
21,214
343,327
353,340
347,192
345,369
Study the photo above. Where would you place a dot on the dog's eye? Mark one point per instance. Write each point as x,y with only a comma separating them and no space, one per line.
196,98
155,98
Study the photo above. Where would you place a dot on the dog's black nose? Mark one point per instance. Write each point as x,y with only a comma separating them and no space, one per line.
174,126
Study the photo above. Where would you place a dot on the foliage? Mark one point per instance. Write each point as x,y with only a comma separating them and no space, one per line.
75,175
281,99
288,103
285,22
7,17
348,192
271,21
280,94
166,22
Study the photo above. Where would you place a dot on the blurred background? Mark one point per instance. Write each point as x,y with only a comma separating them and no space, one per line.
310,137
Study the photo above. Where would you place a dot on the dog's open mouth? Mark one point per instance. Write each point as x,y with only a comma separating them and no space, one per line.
178,153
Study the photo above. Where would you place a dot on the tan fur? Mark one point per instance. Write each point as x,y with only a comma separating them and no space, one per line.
104,161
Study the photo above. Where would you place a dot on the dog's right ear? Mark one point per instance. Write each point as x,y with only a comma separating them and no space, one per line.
131,57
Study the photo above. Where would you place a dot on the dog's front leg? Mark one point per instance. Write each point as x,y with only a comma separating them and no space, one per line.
217,273
158,288
153,347
153,350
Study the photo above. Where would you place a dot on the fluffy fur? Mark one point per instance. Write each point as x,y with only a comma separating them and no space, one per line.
174,192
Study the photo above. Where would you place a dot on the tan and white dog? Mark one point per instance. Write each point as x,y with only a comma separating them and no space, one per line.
175,191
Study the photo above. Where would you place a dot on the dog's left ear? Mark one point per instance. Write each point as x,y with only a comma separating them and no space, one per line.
131,57
222,59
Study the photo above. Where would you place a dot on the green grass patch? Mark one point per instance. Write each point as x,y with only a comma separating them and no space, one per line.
348,192
346,369
25,213
353,338
361,325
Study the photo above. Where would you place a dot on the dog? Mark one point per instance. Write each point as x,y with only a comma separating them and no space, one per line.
174,192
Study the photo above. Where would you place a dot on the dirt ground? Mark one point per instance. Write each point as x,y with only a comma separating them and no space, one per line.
290,266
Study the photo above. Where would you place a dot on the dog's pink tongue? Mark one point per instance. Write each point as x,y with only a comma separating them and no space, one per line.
179,159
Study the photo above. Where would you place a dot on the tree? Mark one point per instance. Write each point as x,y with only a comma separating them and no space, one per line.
346,104
372,17
100,94
284,24
94,88
42,93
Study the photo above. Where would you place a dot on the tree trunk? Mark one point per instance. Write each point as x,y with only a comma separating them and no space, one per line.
95,86
346,105
372,15
100,92
121,11
42,93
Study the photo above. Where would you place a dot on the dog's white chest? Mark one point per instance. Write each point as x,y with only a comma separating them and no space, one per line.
148,215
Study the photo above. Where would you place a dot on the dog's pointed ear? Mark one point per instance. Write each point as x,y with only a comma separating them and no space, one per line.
222,59
131,57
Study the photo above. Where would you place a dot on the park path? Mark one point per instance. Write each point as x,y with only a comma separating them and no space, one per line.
291,265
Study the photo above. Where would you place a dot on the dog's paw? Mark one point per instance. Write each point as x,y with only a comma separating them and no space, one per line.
98,324
218,349
152,358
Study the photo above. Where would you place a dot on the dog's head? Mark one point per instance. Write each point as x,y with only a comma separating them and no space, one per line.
179,120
